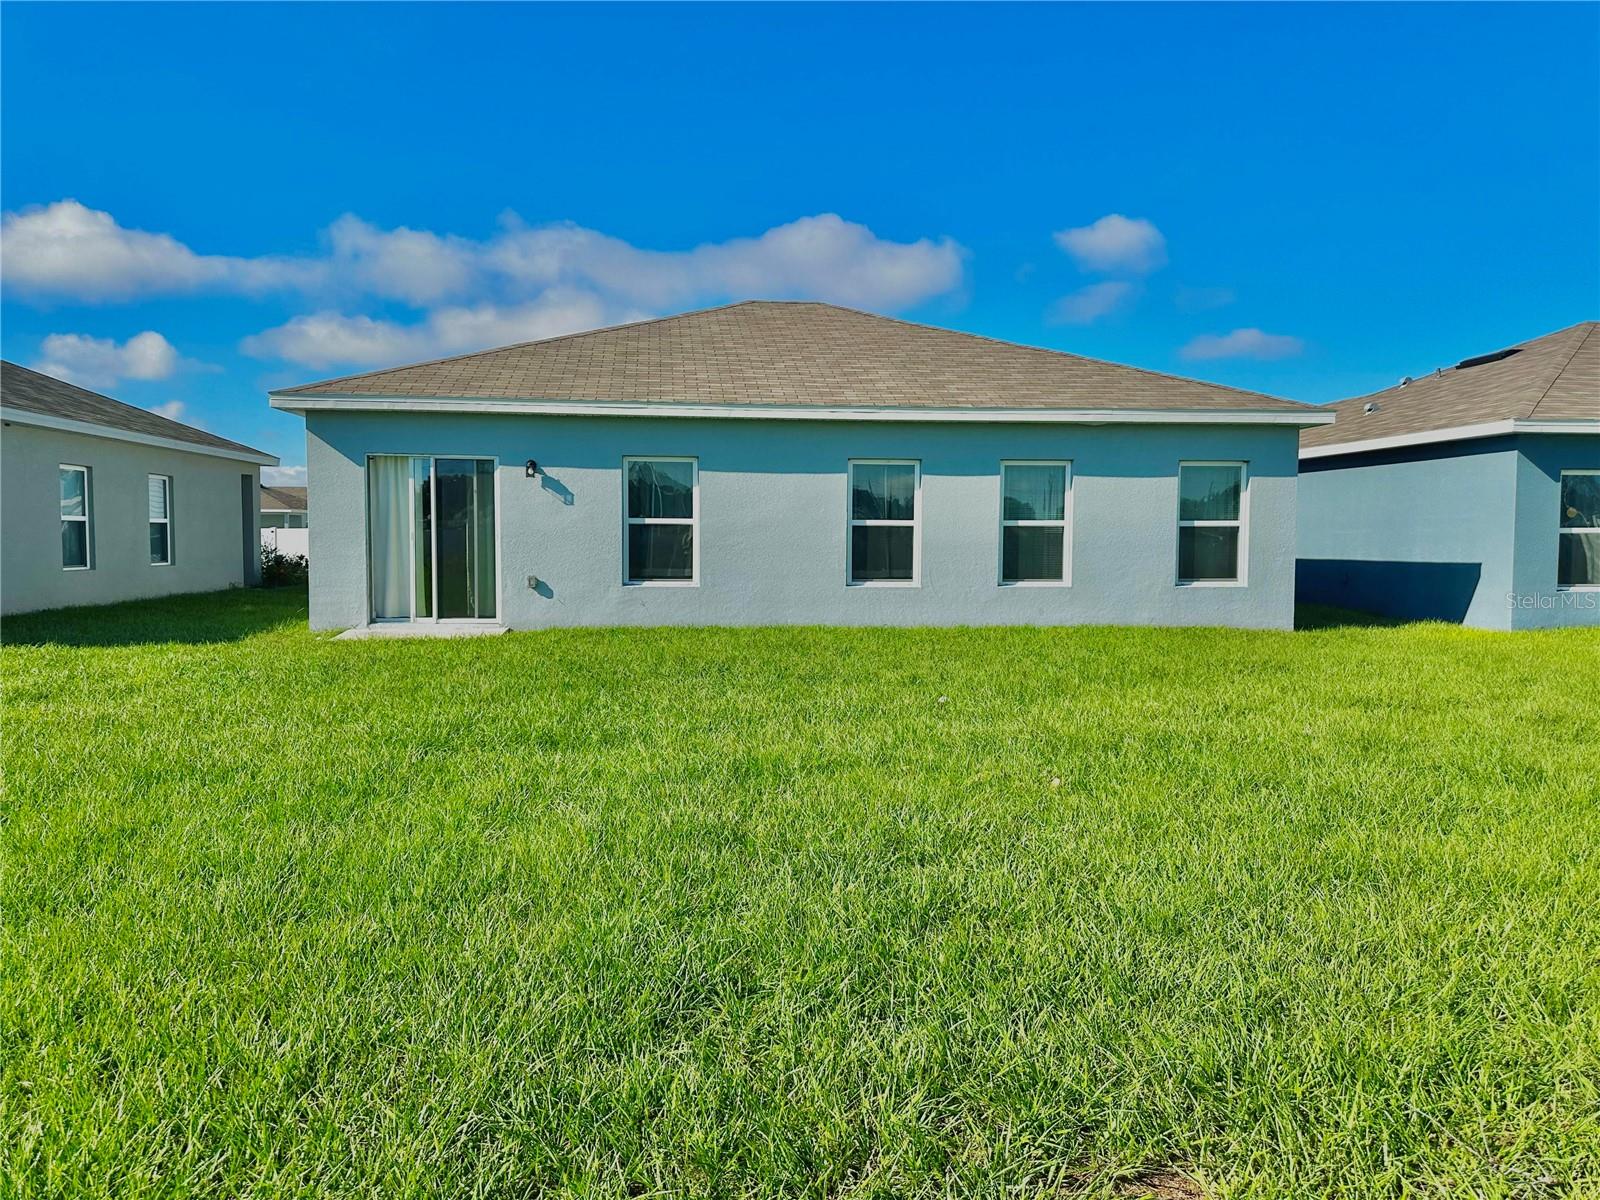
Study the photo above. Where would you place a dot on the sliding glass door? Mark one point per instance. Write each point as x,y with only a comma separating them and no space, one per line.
431,538
464,537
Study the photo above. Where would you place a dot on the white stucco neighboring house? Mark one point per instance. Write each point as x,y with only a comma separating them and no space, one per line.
101,501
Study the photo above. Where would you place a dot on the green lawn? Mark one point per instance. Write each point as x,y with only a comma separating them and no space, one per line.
799,912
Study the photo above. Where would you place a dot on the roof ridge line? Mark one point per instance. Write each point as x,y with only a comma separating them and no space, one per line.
1456,366
1104,362
559,337
1562,369
861,312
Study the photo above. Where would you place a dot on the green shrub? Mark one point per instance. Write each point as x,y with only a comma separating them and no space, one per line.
282,570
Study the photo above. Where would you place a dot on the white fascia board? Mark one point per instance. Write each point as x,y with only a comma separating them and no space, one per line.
1534,425
21,416
1458,433
801,412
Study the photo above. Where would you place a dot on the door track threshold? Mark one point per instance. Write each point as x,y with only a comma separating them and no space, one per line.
419,629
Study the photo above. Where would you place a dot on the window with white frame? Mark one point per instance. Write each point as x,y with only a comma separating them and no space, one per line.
1578,560
160,520
1211,507
885,510
661,504
75,506
1033,521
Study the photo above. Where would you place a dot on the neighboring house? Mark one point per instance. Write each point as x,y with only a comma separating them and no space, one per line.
1472,494
772,462
283,519
101,501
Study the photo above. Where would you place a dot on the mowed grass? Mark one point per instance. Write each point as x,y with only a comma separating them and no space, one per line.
796,912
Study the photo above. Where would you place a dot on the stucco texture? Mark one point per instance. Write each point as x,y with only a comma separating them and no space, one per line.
1536,601
208,520
773,521
1462,531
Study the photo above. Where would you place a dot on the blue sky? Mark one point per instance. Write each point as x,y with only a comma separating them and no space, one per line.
203,202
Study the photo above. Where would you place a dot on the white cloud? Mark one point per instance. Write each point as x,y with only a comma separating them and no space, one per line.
1091,303
558,311
283,476
172,410
101,362
530,282
68,251
326,339
1243,343
521,283
330,339
412,265
819,258
1116,243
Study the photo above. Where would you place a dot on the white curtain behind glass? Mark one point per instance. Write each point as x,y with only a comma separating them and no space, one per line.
389,523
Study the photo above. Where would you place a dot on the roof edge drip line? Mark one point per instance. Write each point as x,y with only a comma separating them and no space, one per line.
23,416
1458,433
1104,416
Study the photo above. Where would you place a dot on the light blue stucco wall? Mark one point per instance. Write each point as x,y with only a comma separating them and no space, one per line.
1462,531
773,523
1538,603
214,515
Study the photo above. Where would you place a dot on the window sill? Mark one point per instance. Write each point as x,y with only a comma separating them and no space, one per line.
1035,583
883,583
77,568
1211,583
1560,587
660,583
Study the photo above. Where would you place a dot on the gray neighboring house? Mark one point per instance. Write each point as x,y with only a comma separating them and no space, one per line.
1471,494
283,507
283,520
101,501
786,462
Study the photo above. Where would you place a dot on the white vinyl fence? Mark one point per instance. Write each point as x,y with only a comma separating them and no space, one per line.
288,541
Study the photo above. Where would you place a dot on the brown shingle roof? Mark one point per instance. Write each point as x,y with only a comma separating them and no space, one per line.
1551,378
793,353
283,499
31,391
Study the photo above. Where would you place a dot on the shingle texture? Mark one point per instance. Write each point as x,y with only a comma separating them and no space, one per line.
793,353
32,392
283,499
1551,378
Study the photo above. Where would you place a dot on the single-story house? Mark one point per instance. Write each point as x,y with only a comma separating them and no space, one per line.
101,501
786,462
1471,494
283,519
